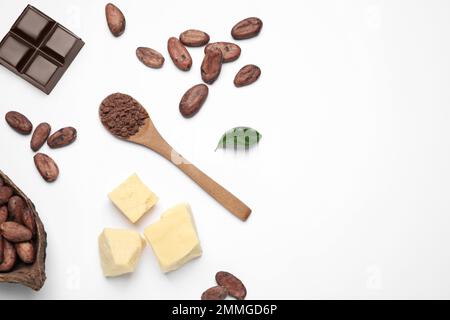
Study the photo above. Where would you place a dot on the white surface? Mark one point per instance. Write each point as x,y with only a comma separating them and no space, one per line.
349,186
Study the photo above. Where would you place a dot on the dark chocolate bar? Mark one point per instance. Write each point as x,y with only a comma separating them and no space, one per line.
38,49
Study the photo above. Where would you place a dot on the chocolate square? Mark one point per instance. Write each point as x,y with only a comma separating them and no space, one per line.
38,49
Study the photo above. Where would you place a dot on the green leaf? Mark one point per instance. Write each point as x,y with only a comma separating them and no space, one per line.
239,138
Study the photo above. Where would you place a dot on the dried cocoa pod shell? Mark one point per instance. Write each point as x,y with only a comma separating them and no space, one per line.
31,275
9,257
19,122
39,136
3,214
5,193
194,38
215,293
29,221
235,286
16,205
63,137
115,19
15,232
25,251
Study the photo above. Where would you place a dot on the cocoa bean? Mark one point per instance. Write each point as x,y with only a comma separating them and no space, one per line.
115,19
9,256
16,205
211,65
215,293
194,38
235,286
40,135
25,251
15,232
3,214
1,249
247,28
29,221
193,100
247,75
47,168
63,137
5,193
19,122
1,182
230,51
151,58
179,54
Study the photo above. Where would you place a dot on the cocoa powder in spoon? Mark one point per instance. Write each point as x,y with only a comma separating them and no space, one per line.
122,115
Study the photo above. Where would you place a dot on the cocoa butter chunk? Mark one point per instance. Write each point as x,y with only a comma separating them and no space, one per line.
133,198
174,238
120,250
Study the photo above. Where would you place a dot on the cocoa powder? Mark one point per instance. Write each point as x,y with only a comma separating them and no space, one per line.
122,115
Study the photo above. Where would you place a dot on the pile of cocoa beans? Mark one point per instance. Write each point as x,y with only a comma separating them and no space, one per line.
17,230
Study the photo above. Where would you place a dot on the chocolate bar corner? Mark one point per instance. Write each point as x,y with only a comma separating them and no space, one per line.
39,49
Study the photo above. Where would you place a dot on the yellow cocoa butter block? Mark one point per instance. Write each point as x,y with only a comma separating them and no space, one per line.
120,250
174,238
133,198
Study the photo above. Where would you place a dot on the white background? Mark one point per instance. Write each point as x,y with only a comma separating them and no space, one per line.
349,186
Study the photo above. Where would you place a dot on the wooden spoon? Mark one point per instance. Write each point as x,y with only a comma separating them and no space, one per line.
126,119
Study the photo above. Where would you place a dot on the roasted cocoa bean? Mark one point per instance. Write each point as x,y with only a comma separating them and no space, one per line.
179,54
1,182
63,137
247,75
3,214
215,293
151,58
29,221
193,100
1,249
211,65
9,256
194,38
19,122
25,251
235,286
115,19
47,168
230,51
15,232
5,193
40,135
247,28
16,206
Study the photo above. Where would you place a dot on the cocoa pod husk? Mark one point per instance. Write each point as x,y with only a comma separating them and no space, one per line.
30,275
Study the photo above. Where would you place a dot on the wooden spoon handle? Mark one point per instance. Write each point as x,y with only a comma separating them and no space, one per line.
215,190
